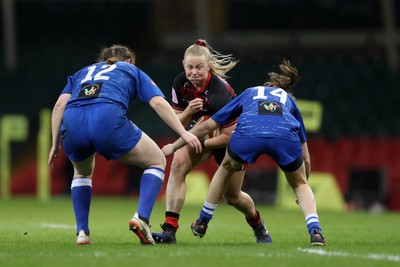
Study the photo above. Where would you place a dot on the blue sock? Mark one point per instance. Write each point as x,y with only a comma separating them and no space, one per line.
207,212
150,186
312,222
81,193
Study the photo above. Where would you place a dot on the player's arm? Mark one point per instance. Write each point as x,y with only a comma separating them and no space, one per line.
220,140
199,130
56,120
183,110
224,115
185,116
303,138
227,115
167,114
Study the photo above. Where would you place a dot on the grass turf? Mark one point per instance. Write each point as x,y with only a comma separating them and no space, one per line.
43,234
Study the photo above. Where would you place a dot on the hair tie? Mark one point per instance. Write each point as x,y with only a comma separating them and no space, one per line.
200,42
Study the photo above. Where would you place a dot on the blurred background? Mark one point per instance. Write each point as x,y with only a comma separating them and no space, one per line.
347,53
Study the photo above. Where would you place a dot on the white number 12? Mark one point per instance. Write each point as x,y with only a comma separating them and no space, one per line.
99,75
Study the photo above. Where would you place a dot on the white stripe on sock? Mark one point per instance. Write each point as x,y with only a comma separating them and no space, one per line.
209,212
311,220
311,215
209,205
81,182
209,208
160,174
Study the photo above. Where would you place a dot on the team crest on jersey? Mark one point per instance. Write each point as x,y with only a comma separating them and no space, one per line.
269,108
90,90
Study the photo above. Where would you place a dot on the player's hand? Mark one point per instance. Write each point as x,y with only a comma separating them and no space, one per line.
195,105
192,141
168,149
54,151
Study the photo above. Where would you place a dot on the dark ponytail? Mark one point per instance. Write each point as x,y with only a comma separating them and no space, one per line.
287,79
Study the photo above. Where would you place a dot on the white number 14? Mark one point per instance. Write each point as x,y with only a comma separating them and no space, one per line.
279,92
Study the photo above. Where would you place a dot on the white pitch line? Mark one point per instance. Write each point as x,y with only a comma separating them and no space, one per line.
371,256
56,226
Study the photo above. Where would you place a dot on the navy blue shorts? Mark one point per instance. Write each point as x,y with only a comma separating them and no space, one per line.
102,128
286,153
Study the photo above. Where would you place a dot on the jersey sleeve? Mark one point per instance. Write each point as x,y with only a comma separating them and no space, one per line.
228,114
68,87
297,115
176,97
146,87
222,100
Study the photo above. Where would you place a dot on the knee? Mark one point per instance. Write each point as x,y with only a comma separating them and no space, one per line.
83,173
298,183
180,166
160,162
164,162
296,179
230,166
231,199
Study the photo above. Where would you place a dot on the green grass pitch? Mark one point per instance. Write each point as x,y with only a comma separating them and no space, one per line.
33,233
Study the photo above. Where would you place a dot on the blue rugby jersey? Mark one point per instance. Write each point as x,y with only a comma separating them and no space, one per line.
264,112
119,83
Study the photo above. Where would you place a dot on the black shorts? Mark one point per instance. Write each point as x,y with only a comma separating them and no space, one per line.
219,154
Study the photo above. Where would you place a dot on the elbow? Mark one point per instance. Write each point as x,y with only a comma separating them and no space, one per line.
59,107
157,101
61,103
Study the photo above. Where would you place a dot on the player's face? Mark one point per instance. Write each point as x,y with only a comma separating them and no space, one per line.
196,68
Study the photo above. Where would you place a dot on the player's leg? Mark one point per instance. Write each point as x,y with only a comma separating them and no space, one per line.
243,202
298,181
183,162
218,186
240,149
235,197
81,194
76,141
147,155
289,156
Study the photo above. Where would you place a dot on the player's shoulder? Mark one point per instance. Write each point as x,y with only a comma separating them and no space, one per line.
219,81
264,87
126,65
220,85
252,88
